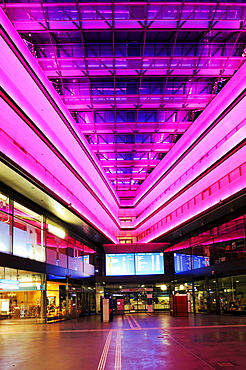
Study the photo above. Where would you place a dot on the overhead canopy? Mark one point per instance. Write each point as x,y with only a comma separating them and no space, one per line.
135,247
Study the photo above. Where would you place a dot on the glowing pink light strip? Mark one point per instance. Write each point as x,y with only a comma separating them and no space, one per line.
123,4
48,111
149,59
24,133
18,156
219,104
214,199
215,239
199,187
205,162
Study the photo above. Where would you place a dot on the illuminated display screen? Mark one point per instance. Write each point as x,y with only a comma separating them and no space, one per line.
120,264
200,261
187,262
149,263
134,264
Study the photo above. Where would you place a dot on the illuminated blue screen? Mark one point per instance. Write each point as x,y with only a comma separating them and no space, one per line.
134,264
149,263
120,264
187,262
200,261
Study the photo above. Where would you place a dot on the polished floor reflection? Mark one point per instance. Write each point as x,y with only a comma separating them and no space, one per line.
131,342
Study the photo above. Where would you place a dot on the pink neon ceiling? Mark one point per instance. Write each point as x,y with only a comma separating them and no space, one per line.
134,75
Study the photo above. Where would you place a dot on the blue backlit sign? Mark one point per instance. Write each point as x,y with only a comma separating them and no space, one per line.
187,262
134,264
120,264
149,263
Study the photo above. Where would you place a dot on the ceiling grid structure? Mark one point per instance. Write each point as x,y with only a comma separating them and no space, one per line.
134,75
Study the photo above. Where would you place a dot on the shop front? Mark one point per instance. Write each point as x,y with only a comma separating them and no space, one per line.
28,297
68,301
226,295
22,296
135,299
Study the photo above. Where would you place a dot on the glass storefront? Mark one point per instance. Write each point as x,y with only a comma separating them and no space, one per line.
161,297
5,238
215,295
66,301
223,295
22,295
139,299
220,244
27,296
28,234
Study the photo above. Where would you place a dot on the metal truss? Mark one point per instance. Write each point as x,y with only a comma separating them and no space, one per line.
134,75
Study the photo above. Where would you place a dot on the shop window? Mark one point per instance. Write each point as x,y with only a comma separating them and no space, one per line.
24,302
27,241
125,241
70,251
56,250
62,248
5,240
62,253
56,300
10,274
27,215
223,229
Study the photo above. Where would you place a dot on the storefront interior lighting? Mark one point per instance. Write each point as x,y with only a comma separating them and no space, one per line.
181,287
163,287
56,231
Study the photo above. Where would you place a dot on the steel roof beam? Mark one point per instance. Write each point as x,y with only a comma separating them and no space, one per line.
158,147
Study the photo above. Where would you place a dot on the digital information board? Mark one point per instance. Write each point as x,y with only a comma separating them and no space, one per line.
120,264
182,262
200,261
149,263
134,264
187,262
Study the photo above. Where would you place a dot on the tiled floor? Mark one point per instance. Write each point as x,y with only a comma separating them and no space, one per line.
130,342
